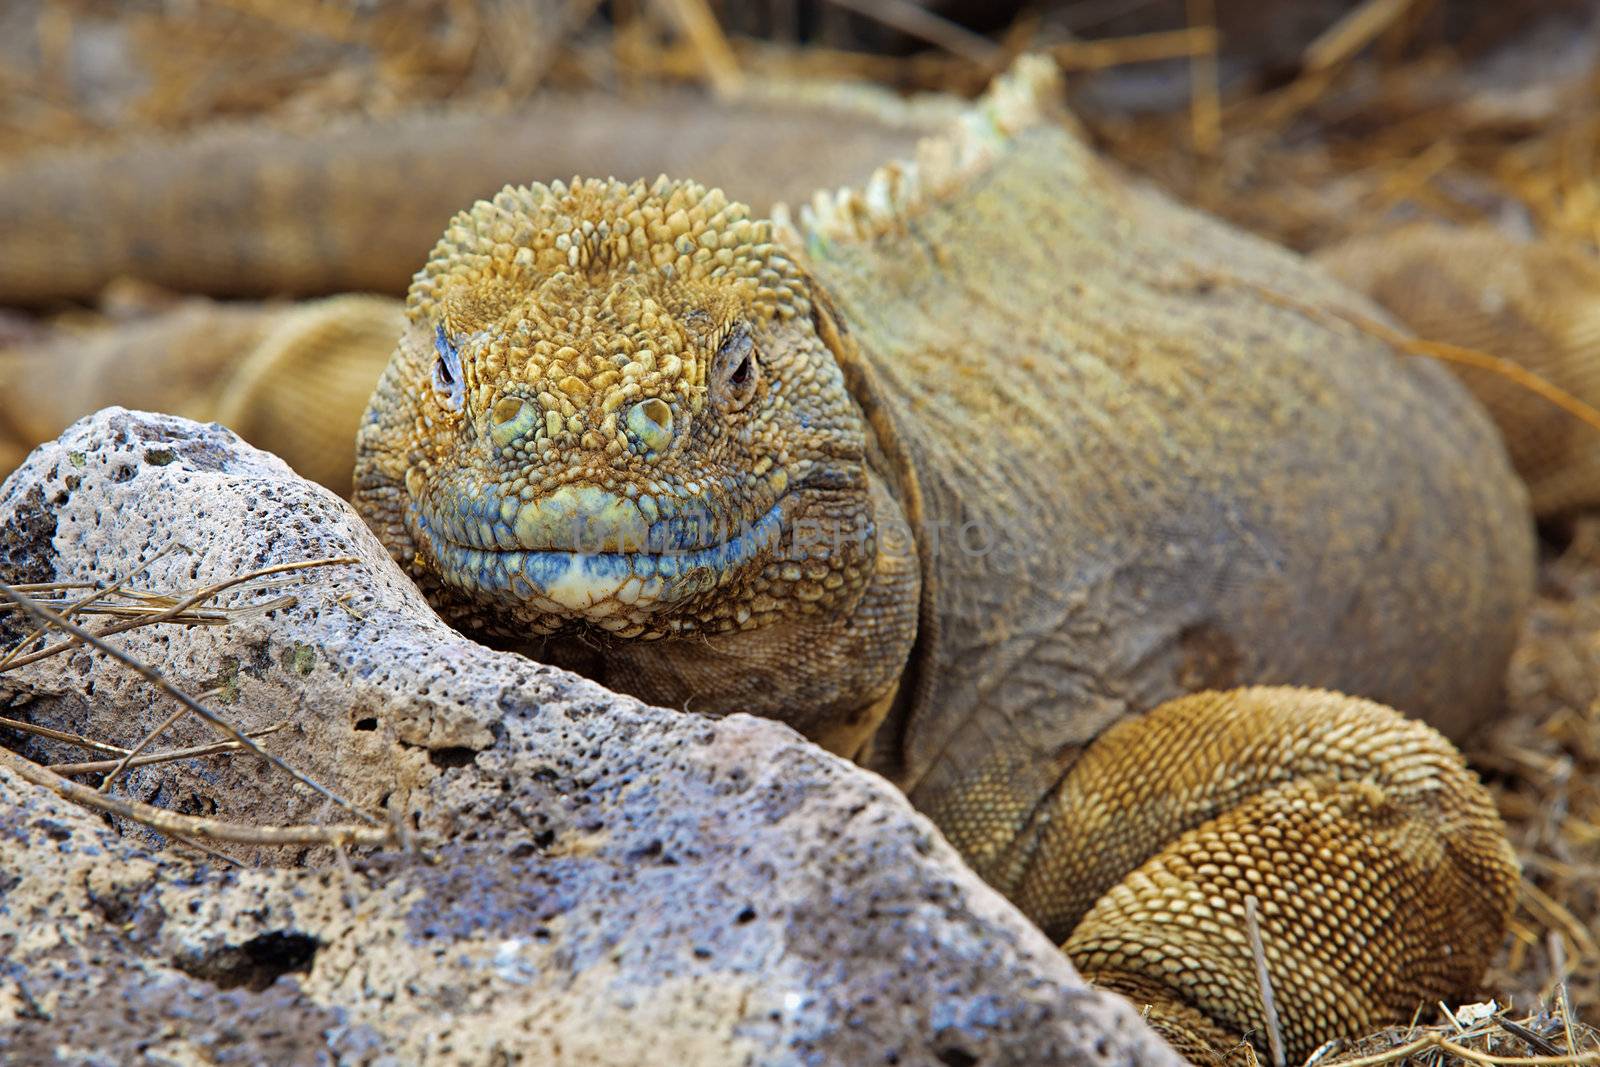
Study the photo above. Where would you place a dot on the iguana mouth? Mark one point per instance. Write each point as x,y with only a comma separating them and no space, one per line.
590,554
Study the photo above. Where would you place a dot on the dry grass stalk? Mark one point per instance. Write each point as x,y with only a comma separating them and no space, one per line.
697,23
190,826
1455,1042
1269,1005
143,743
175,611
49,618
917,21
1331,50
1205,93
131,759
61,735
188,829
1103,54
81,605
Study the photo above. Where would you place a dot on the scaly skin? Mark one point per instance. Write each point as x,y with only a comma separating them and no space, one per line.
727,464
1380,868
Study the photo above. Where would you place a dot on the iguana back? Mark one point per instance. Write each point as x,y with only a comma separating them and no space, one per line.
1143,474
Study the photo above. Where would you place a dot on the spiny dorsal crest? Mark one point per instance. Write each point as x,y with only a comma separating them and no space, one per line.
590,294
1025,96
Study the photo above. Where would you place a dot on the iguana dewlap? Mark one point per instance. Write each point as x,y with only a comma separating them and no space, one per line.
964,474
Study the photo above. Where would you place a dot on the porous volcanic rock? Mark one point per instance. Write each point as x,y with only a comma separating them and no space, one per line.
585,879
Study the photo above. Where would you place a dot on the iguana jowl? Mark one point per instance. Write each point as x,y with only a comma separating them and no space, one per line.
964,474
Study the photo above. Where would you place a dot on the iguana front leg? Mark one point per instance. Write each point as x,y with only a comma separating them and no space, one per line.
1380,870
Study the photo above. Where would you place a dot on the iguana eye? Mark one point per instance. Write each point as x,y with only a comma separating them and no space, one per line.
447,381
736,371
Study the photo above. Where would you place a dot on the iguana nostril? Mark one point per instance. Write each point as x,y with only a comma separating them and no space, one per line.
510,418
650,424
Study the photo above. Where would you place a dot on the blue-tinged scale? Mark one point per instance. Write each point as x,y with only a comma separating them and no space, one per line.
609,565
447,377
544,569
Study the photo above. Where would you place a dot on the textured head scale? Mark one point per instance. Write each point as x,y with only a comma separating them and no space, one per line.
629,407
598,293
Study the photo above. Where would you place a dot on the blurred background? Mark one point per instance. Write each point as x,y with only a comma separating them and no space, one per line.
1303,119
1439,154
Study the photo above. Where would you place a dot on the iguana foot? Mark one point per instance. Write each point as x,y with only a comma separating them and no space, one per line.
1374,861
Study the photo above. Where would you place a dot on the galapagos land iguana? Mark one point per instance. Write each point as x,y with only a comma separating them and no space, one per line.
1000,476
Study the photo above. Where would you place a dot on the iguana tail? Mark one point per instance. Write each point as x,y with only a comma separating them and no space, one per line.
354,205
292,379
1535,303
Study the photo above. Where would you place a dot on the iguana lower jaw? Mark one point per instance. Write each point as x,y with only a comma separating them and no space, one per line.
616,589
585,556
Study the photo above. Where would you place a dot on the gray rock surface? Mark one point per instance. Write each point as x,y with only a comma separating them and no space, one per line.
588,880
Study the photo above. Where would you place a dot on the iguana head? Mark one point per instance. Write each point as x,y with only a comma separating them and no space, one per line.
615,407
